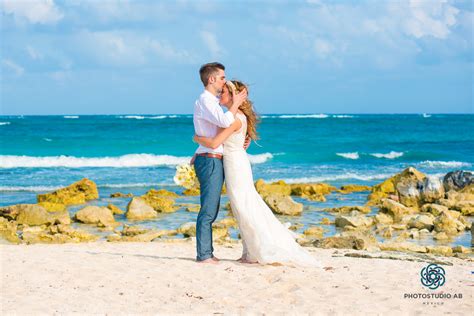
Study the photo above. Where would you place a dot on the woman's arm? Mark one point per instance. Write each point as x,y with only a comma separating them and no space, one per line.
221,136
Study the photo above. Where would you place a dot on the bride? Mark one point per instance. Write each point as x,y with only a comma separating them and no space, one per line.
265,240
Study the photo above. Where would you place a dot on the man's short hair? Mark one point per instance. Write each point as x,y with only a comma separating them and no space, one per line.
208,70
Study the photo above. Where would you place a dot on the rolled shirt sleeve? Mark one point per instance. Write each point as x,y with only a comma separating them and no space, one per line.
213,113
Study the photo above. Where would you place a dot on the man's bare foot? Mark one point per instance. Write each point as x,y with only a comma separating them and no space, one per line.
215,259
208,261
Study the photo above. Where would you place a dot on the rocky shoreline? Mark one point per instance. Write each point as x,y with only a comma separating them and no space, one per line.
400,210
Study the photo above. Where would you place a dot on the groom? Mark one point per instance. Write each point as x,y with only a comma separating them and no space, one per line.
208,118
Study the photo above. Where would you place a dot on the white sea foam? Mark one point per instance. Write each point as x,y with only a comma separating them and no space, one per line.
136,117
390,155
354,155
125,161
301,116
71,117
4,123
134,185
343,116
444,164
261,158
141,117
345,176
39,188
131,160
48,139
426,115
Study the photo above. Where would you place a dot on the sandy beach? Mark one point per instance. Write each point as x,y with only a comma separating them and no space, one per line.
163,278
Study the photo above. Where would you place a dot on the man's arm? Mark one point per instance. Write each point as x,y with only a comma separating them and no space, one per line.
213,113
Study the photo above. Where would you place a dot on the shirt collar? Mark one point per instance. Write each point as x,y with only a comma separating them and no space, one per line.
211,95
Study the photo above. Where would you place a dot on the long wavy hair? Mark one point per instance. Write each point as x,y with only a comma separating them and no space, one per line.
247,108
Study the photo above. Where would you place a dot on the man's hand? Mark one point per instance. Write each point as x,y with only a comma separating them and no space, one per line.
247,142
192,160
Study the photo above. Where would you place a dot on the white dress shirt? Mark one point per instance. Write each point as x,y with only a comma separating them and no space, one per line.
208,117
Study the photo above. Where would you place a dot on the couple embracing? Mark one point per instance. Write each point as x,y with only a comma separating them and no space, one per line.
223,139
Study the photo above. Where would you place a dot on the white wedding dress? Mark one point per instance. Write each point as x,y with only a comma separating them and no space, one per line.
264,238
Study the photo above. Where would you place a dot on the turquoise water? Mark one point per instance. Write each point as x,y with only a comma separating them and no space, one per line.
133,153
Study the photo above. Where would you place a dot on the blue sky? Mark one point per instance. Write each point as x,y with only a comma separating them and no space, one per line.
125,57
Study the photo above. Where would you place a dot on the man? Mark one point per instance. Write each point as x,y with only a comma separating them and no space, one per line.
208,118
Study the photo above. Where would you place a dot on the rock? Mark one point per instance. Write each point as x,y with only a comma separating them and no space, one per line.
115,210
219,231
445,222
188,229
461,249
382,218
8,230
34,215
326,221
283,205
348,242
53,207
386,232
312,191
348,209
57,234
293,227
440,236
194,208
457,180
389,186
228,222
161,201
345,189
432,190
440,250
161,193
77,193
421,222
354,221
395,209
138,209
279,188
101,216
434,209
402,246
409,192
121,195
192,192
366,235
314,231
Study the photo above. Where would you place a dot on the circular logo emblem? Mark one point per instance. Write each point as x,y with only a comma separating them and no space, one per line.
432,276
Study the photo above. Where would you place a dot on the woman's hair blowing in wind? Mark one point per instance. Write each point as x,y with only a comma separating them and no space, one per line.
247,108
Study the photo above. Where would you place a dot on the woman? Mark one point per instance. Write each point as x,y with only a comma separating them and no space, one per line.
265,239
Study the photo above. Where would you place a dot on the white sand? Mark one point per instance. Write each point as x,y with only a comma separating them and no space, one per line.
163,278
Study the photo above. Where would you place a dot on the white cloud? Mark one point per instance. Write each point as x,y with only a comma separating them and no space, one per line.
13,67
323,48
126,48
211,42
34,11
428,18
33,53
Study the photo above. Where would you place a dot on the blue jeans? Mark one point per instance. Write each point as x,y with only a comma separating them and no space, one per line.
210,173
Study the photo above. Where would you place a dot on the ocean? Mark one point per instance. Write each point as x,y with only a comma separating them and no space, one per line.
134,153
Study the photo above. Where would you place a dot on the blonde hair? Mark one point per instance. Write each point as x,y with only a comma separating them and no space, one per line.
247,108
